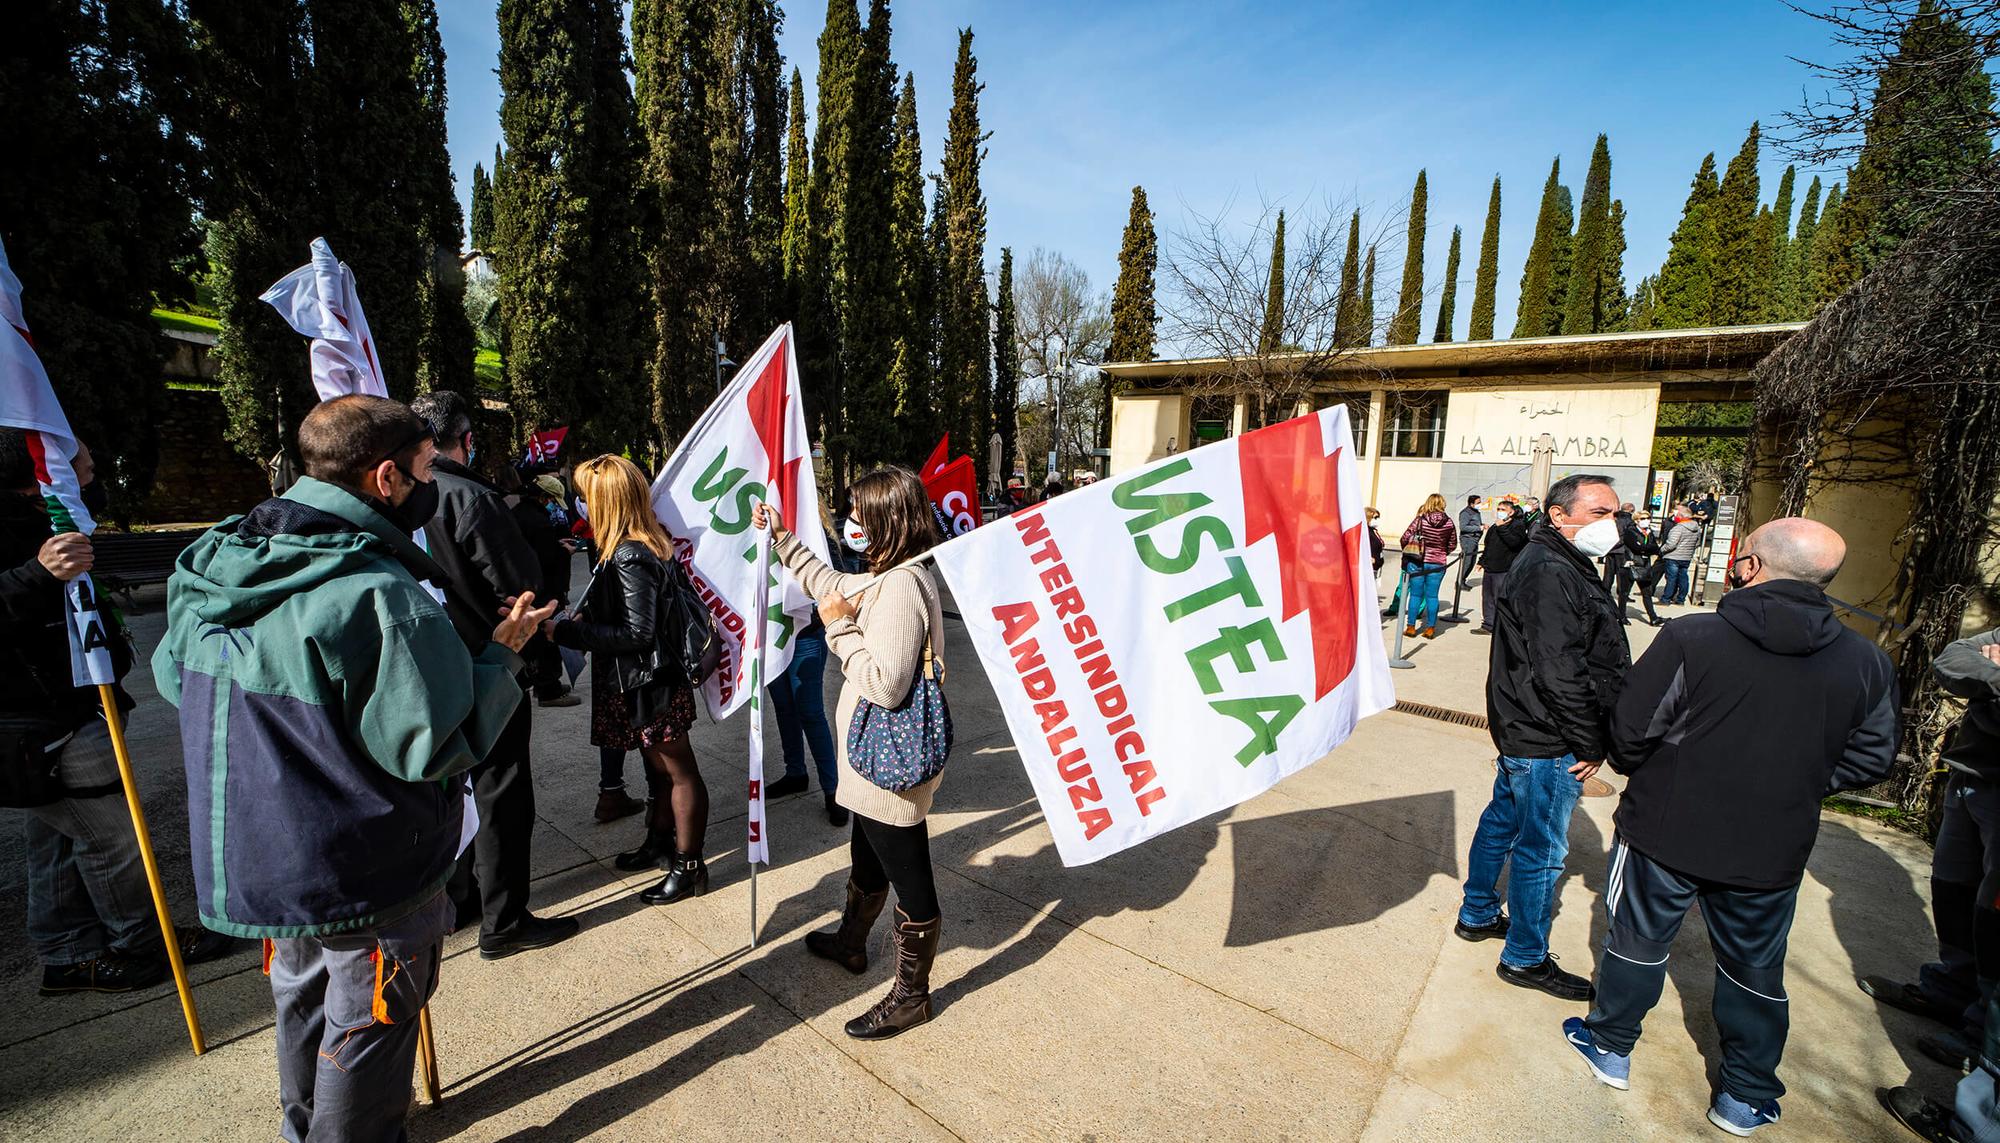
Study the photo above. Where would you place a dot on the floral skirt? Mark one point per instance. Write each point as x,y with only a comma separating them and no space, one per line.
611,721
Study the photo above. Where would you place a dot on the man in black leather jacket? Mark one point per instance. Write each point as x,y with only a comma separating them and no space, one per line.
475,539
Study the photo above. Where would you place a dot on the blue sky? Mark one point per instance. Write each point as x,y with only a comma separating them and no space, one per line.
1216,102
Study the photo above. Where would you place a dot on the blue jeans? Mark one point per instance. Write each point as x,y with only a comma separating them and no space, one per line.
86,888
1527,823
1674,581
799,701
1424,584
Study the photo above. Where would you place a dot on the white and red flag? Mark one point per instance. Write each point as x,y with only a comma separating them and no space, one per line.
1175,640
545,445
318,300
940,456
28,401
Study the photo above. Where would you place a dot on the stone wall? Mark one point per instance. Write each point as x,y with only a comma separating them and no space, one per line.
201,477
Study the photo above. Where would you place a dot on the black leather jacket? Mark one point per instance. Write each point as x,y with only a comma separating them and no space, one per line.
619,621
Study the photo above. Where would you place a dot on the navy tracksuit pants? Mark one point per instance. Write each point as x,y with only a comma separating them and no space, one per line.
1747,930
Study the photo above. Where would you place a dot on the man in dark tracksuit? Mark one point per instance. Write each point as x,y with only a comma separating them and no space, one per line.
1731,728
475,539
1955,989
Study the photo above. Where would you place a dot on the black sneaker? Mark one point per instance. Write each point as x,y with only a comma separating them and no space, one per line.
1950,1049
567,698
1493,930
1550,978
1929,1119
836,814
1909,998
532,933
786,786
112,972
199,945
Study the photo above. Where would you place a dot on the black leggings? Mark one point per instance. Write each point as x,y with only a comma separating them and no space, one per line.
899,855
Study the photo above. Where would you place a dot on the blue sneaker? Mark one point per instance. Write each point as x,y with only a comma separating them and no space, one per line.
1610,1068
1740,1118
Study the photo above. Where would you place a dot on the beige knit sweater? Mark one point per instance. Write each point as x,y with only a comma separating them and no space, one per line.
881,652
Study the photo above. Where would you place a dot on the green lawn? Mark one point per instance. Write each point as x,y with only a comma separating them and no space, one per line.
486,366
192,323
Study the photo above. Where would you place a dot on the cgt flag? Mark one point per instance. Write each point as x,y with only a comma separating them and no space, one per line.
545,445
28,401
954,492
751,445
1173,642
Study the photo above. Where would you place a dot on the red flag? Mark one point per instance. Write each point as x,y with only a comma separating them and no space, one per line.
940,456
954,493
545,444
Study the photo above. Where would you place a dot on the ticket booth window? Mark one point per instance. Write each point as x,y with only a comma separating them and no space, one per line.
1416,425
1357,415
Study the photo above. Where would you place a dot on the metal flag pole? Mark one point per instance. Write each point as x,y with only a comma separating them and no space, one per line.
427,1059
109,699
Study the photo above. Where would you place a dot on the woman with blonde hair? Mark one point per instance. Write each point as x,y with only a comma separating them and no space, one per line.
1427,547
886,639
638,697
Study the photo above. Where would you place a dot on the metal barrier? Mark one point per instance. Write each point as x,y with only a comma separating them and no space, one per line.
1396,659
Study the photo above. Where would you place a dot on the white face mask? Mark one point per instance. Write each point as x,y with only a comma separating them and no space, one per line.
1597,537
854,535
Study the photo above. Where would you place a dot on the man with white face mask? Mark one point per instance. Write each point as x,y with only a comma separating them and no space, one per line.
1559,657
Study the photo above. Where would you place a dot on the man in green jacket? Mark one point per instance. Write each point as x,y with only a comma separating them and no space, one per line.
327,707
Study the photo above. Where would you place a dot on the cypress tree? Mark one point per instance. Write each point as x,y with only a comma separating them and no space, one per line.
910,375
965,379
872,305
1592,297
445,344
1539,275
819,318
1486,281
482,208
1764,266
730,288
797,239
1448,303
1273,334
1406,325
1798,257
252,84
1645,304
1348,328
1007,368
565,220
1563,261
1829,264
1929,124
1367,329
1737,299
1617,307
1685,286
1781,218
95,213
763,300
1132,312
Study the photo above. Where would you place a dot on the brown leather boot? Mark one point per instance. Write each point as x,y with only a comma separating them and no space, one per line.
1430,632
909,1001
1410,632
847,946
615,804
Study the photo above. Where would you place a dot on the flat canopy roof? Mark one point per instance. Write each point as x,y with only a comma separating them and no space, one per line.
1722,348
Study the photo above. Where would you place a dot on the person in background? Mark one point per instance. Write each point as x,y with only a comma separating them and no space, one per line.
1558,658
1957,988
1974,1114
1052,489
1376,544
535,513
1629,563
798,699
638,697
1677,549
1427,547
487,561
883,639
1704,508
89,911
326,819
1470,524
1504,541
1730,730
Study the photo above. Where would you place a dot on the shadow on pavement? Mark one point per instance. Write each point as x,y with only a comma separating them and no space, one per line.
1875,912
1296,872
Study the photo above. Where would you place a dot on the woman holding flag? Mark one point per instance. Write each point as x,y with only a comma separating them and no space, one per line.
637,702
882,639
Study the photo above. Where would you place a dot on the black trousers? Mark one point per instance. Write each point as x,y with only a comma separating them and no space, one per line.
1627,576
491,878
886,855
1747,930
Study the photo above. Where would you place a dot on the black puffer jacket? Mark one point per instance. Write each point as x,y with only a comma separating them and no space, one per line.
1734,725
1503,544
1559,654
619,623
34,641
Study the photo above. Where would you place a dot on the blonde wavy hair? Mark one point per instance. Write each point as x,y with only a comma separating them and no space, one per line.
1435,503
620,505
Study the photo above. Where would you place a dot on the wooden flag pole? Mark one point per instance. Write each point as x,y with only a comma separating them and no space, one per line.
427,1060
168,934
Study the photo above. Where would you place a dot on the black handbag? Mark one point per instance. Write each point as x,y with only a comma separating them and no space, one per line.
691,640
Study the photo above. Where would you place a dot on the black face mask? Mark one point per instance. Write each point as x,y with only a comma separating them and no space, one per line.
95,498
416,509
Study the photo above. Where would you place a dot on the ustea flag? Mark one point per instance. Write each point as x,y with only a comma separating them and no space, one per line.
28,401
1172,641
319,300
750,446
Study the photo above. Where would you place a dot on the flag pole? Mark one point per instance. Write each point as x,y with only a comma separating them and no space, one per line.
427,1055
109,699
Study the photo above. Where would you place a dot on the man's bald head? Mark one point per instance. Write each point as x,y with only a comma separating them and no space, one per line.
1796,548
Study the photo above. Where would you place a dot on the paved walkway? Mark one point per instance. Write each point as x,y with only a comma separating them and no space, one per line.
1285,970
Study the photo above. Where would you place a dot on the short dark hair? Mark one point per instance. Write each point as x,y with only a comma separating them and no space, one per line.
1472,500
17,464
449,414
1562,494
342,439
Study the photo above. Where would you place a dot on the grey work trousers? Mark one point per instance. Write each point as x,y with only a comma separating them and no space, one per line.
87,891
347,1025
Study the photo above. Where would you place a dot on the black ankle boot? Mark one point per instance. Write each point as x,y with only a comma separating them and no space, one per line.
686,877
652,854
847,946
